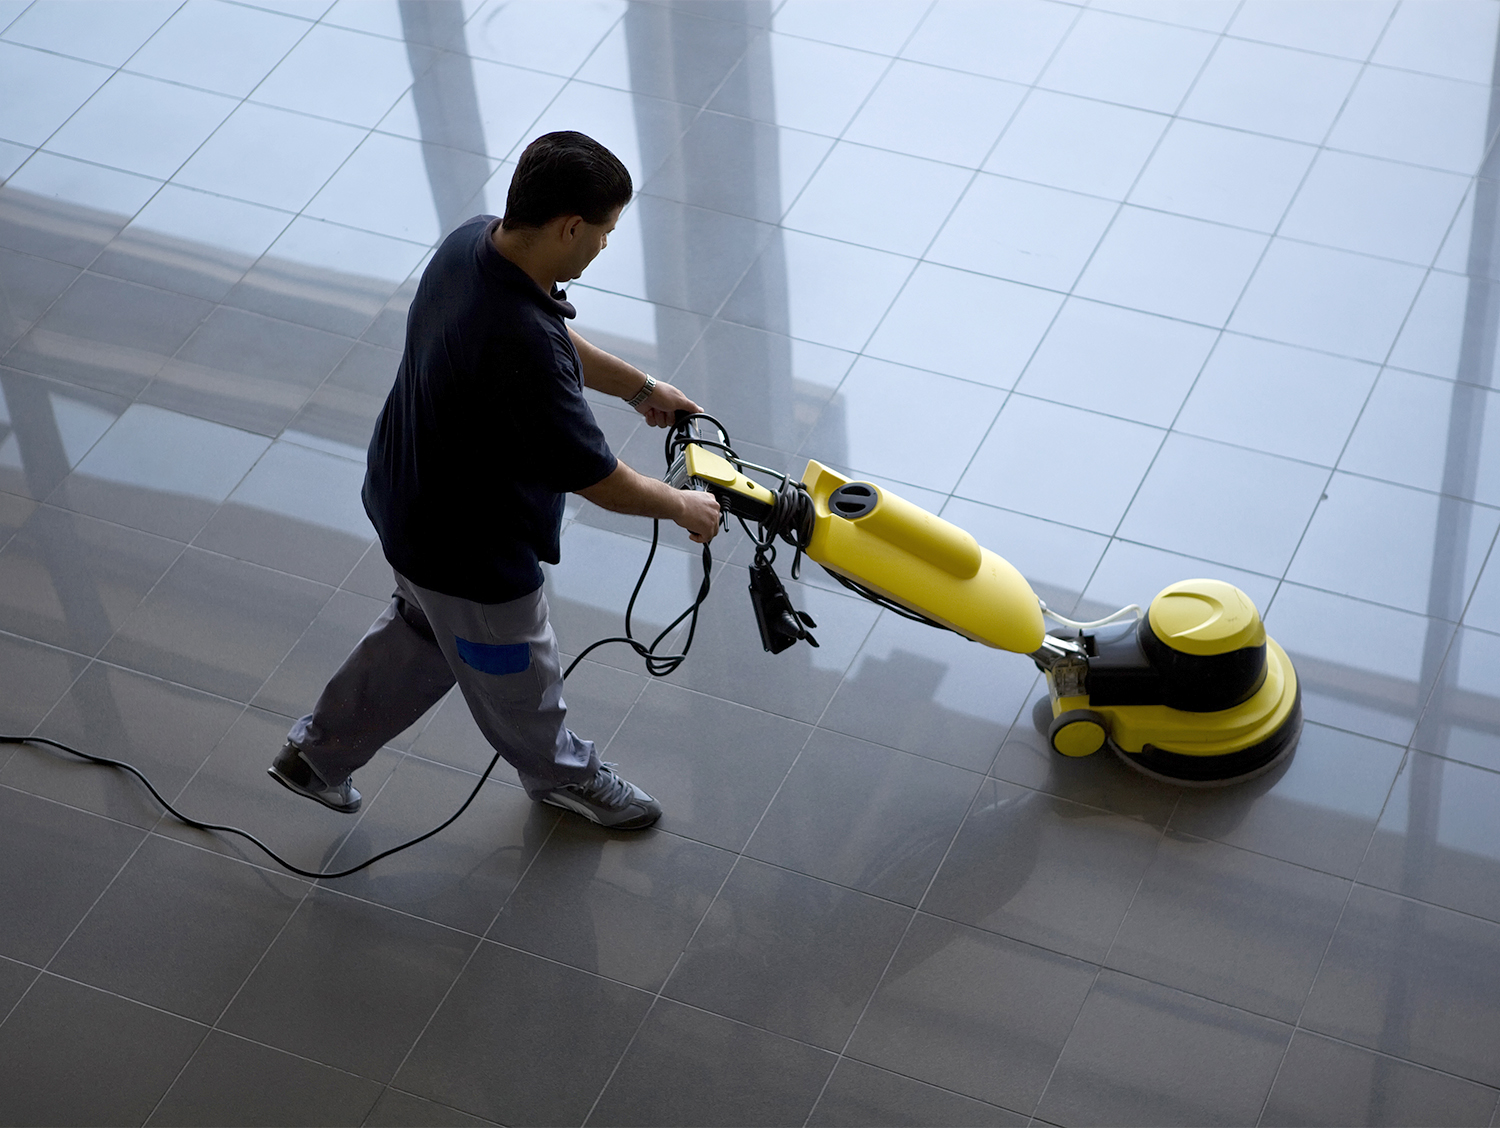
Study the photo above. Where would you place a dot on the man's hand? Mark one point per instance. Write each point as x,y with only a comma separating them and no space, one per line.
625,491
700,515
607,373
661,407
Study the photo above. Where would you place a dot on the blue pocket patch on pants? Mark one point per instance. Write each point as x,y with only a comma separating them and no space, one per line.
487,658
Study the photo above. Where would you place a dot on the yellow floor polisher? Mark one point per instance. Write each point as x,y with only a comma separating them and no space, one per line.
1192,691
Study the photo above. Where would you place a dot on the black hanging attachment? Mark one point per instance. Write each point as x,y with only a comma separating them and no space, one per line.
780,623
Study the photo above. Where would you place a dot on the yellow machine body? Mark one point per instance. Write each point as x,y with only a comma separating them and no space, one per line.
920,561
1206,617
1132,727
1221,703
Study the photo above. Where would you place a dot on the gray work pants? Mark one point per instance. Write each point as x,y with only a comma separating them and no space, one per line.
503,657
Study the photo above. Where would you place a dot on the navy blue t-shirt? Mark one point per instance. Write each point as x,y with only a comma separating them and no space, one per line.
485,429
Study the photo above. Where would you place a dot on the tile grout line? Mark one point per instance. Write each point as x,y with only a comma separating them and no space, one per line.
163,181
300,214
1328,944
1208,59
1070,294
402,754
214,306
779,225
1349,892
1431,267
660,992
334,891
1104,960
480,941
1114,535
915,910
219,1018
739,856
7,25
922,259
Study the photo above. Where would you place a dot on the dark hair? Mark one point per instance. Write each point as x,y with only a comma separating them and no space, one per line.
565,173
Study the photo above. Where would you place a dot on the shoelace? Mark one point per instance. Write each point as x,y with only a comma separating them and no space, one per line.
607,788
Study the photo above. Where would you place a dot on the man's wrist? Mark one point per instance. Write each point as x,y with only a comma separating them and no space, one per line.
644,394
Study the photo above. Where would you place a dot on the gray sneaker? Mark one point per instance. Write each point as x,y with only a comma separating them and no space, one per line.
607,799
295,774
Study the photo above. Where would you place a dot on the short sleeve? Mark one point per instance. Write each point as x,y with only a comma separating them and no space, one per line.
560,442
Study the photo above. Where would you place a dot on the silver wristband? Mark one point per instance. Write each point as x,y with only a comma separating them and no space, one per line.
644,394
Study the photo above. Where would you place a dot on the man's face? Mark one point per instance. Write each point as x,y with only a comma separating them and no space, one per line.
588,240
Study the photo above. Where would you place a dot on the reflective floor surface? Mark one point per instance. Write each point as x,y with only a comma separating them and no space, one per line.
1135,291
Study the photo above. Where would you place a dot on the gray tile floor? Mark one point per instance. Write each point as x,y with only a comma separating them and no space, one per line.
1135,290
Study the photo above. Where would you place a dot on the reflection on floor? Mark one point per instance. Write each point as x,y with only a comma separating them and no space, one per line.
1135,291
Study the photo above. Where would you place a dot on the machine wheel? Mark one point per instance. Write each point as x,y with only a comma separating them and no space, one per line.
1078,732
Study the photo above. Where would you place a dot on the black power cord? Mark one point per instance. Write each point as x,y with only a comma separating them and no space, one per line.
888,604
657,665
245,834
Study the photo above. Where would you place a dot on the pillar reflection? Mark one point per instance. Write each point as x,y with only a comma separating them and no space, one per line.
1448,590
745,377
447,105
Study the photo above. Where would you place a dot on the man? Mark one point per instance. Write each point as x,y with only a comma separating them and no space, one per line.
484,431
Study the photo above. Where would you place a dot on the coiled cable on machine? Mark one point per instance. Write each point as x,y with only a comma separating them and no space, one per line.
791,520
